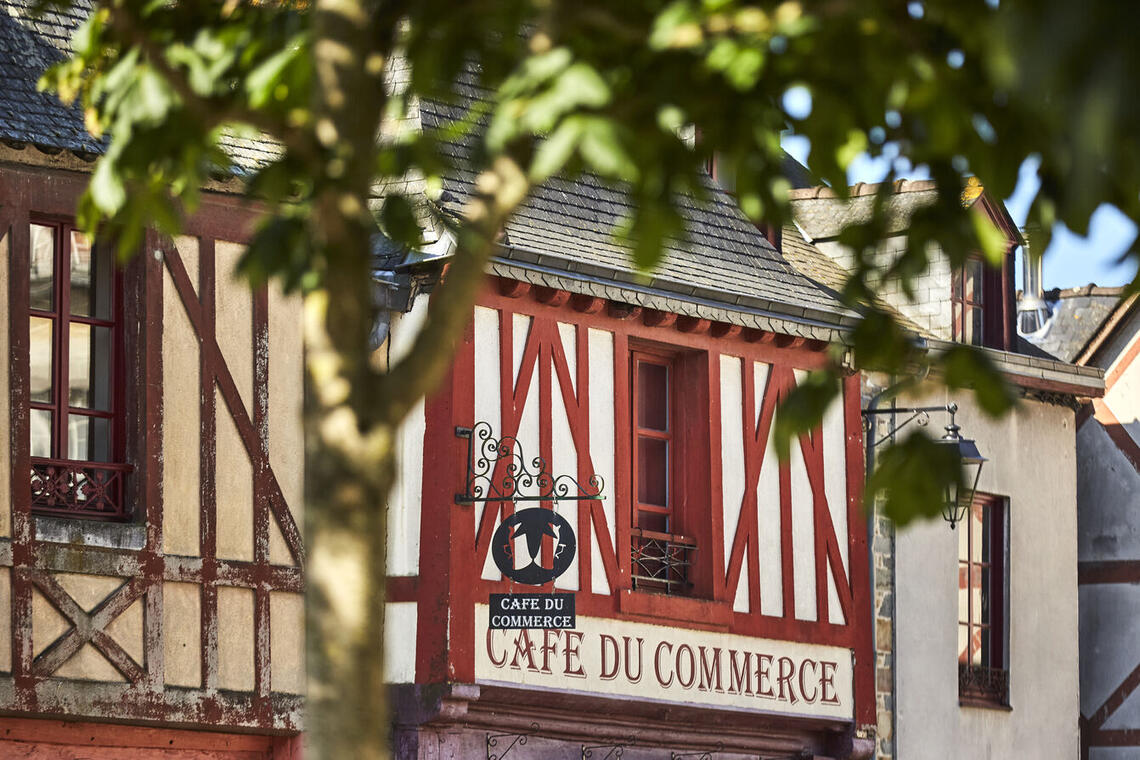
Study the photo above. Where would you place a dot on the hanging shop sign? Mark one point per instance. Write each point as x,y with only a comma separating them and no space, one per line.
535,545
513,611
653,662
517,546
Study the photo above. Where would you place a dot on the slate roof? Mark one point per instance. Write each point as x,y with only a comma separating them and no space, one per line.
29,44
567,226
1077,315
27,47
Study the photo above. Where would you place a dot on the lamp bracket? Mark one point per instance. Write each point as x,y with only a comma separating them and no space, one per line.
920,415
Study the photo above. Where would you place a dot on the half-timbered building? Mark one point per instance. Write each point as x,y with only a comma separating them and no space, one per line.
1097,327
150,557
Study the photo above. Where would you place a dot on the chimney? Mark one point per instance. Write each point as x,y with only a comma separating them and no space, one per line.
1032,309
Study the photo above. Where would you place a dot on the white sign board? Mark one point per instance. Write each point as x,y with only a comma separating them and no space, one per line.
653,662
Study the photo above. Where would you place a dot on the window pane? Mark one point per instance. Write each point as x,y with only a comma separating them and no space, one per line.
653,396
42,268
984,596
974,281
984,655
963,641
41,432
89,367
40,358
655,521
974,327
963,593
977,532
91,272
653,471
956,285
88,438
976,602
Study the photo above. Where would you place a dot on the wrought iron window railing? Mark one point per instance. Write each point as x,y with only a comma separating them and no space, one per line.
661,561
977,683
93,490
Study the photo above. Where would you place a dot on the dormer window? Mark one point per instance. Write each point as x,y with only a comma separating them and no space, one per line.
967,296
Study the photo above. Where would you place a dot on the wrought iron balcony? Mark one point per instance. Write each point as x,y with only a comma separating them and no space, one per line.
661,561
93,490
979,684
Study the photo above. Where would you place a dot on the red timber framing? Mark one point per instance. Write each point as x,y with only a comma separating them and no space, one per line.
454,548
50,740
31,687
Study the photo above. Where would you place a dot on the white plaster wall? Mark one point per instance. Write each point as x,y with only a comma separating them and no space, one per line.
601,355
405,503
1032,462
1108,496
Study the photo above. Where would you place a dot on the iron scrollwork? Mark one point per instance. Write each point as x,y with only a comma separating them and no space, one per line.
519,739
613,750
705,755
518,479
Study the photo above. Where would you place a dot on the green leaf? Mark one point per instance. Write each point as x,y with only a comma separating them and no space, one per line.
106,188
802,410
398,221
992,240
910,477
602,149
969,367
553,152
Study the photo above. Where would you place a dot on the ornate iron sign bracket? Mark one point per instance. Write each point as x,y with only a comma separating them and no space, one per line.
517,479
614,750
519,739
705,755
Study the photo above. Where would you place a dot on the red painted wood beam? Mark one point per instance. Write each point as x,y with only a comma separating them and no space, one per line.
655,318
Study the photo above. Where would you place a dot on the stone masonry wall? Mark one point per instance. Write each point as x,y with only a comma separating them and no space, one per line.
930,308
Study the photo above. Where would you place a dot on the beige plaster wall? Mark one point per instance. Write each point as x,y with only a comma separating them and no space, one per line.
181,434
1032,462
235,638
88,591
182,633
234,490
286,394
287,641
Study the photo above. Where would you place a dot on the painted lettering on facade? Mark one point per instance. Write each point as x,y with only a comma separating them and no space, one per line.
658,663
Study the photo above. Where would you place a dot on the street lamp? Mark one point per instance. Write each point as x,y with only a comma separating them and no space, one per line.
957,503
956,500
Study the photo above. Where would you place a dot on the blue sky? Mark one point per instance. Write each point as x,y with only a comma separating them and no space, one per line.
1070,261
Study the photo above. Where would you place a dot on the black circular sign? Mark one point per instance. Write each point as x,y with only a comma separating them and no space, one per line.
533,524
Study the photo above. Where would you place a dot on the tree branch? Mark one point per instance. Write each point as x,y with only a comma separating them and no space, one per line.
503,188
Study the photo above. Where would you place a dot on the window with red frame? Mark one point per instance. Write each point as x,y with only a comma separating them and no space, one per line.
75,353
967,296
982,673
661,556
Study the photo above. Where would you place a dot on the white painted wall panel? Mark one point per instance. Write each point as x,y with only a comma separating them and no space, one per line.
768,505
565,454
405,505
400,642
732,465
487,397
601,355
803,539
835,488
